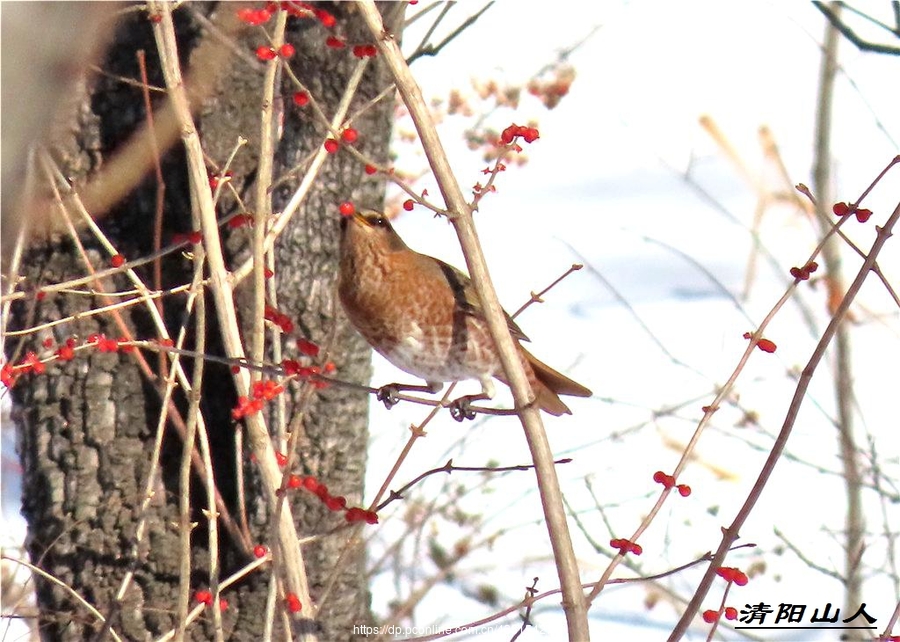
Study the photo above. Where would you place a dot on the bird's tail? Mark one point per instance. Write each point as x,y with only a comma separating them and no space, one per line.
548,384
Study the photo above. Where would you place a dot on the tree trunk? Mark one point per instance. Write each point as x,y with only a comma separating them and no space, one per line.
86,427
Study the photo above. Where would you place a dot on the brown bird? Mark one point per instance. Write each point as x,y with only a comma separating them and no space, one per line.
423,316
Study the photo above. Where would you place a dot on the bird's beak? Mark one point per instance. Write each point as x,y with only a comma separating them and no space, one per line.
354,219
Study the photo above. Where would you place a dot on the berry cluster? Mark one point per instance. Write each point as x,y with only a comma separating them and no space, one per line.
205,597
528,134
711,616
732,574
802,273
668,481
334,503
842,209
280,319
31,363
626,546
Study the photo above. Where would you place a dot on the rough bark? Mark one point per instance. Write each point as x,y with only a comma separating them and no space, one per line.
85,428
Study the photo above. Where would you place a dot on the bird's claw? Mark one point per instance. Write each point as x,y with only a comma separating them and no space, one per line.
388,396
461,409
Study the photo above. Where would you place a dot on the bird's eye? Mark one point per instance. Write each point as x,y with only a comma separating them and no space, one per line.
380,221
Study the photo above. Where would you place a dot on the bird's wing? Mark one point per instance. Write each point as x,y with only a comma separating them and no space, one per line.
467,299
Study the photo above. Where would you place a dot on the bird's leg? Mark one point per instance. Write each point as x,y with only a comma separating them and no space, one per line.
388,394
461,409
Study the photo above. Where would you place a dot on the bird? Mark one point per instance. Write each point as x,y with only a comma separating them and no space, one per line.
423,315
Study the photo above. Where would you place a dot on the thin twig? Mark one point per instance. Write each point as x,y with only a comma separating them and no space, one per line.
849,34
731,533
289,554
433,50
37,570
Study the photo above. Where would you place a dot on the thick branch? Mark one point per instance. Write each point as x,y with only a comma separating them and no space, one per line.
548,483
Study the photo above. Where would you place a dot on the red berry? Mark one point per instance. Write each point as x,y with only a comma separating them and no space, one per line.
710,616
66,353
626,546
365,51
863,215
204,597
408,205
307,347
301,98
334,42
349,135
260,551
117,260
331,145
293,603
840,209
287,50
239,220
371,169
766,345
730,613
325,18
684,490
530,134
347,208
264,52
281,458
254,17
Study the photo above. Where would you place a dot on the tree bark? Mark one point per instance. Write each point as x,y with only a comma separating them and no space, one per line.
86,427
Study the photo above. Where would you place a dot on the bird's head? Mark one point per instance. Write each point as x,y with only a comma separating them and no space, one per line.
369,231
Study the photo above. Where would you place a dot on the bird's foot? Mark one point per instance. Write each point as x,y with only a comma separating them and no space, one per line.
461,408
388,395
